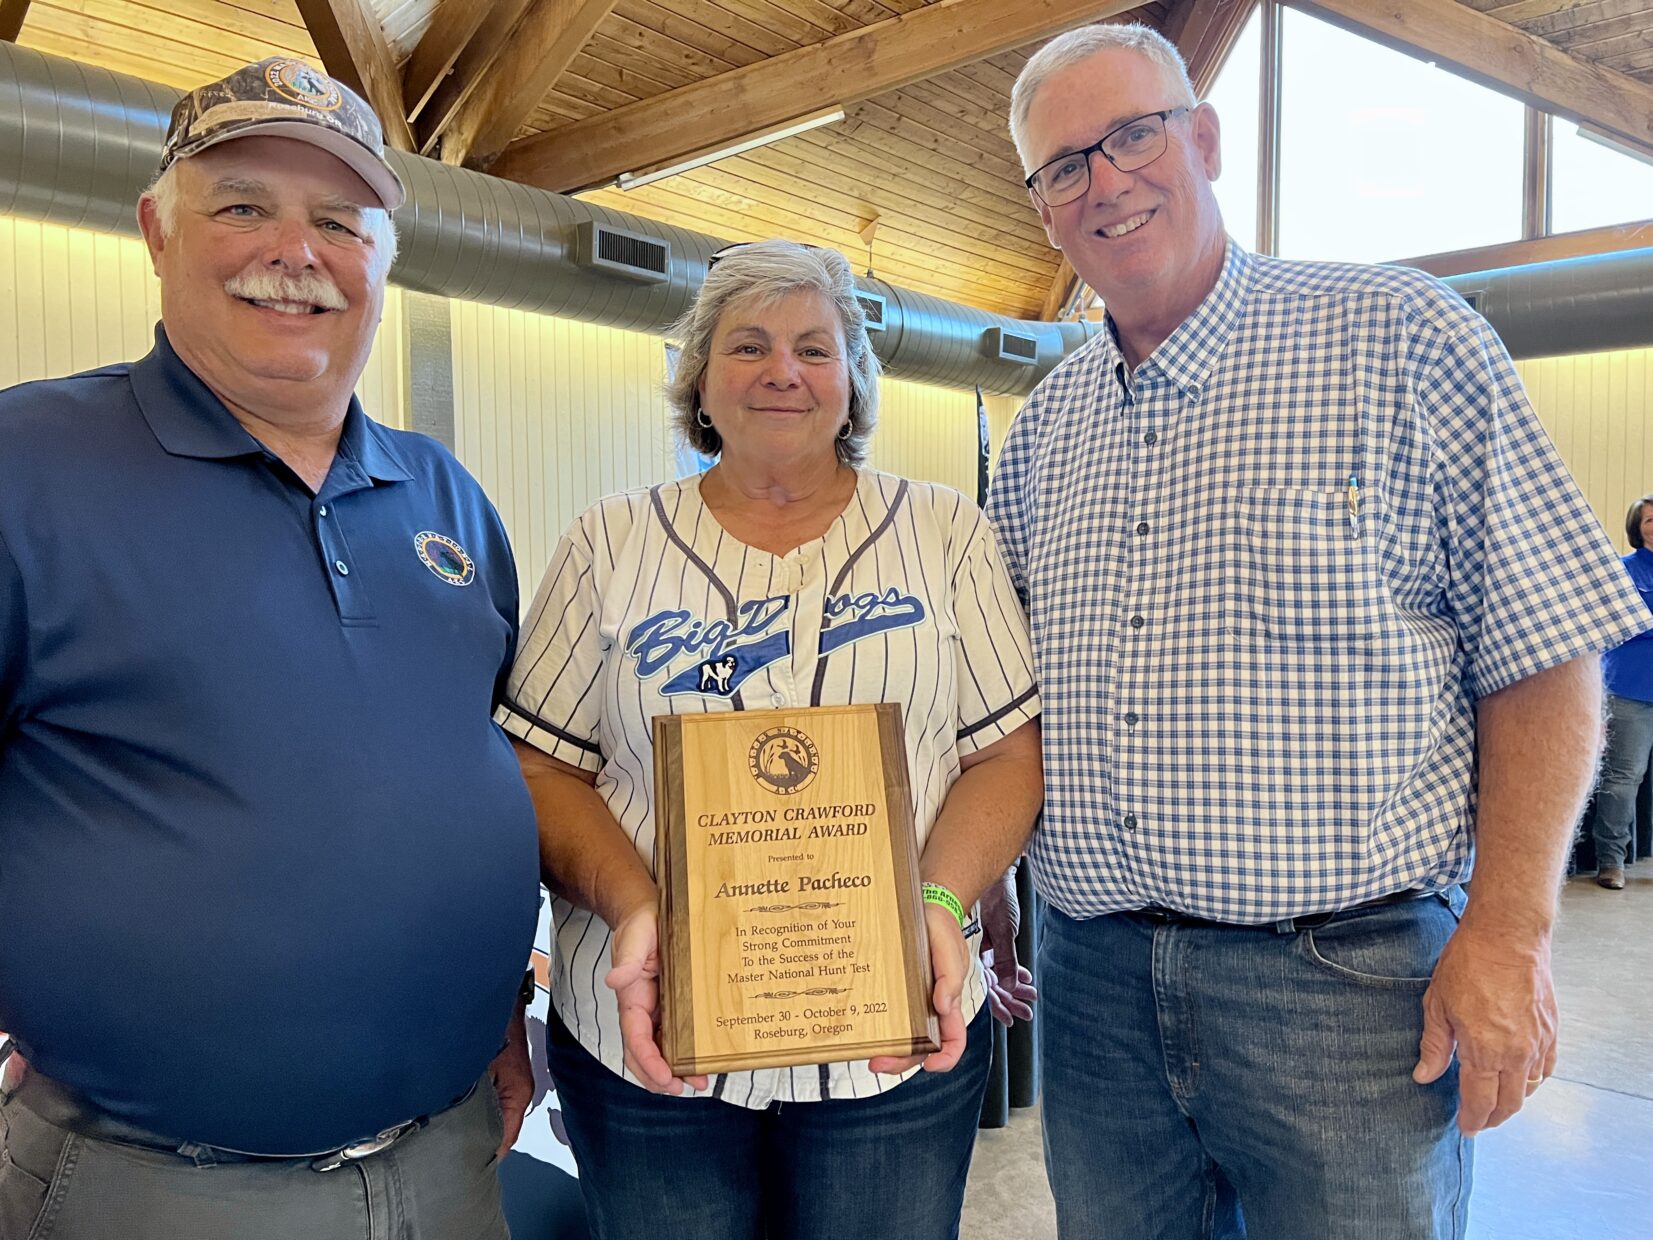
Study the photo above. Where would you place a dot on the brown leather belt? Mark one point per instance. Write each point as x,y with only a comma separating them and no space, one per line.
1159,916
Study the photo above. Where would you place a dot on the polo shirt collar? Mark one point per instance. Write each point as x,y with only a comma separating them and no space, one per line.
1187,355
188,420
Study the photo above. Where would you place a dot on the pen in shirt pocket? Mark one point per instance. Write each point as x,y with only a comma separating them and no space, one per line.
1354,502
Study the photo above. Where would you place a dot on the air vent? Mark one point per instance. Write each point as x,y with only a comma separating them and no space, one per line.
1473,297
1005,346
634,256
872,305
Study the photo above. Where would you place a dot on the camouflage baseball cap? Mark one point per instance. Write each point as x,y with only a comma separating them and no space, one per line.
285,98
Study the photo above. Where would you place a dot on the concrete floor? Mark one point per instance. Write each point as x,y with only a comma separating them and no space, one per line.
1576,1164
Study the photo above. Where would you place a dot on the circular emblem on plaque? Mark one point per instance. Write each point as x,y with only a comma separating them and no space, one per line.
783,760
295,80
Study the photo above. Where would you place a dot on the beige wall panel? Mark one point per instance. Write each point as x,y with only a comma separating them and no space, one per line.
1596,407
927,433
551,415
73,300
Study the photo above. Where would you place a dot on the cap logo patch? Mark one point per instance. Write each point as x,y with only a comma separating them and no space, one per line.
445,558
295,80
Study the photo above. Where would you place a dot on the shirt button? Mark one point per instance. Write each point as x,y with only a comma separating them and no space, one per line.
1129,822
344,569
1136,621
1141,527
1150,439
778,699
1130,718
322,511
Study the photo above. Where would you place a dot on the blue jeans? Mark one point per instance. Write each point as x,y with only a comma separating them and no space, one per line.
1629,745
1208,1082
653,1166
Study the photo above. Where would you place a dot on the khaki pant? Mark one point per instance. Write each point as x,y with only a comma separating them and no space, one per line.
437,1183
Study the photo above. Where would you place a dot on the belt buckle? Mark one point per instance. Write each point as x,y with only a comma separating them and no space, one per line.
358,1150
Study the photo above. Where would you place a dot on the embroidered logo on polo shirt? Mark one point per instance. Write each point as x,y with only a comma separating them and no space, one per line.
445,558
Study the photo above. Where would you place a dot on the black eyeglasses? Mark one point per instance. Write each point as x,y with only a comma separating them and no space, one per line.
1135,144
735,247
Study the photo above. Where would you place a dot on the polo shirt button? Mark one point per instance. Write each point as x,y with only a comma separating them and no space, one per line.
1129,822
1136,621
344,569
1150,439
322,511
1131,718
1141,527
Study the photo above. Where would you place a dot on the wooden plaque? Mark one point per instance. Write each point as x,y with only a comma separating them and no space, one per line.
791,927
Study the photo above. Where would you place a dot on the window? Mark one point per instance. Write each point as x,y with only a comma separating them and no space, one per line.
1386,157
1236,96
1593,184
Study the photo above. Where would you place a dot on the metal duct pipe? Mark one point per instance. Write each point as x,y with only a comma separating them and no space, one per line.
78,144
1572,305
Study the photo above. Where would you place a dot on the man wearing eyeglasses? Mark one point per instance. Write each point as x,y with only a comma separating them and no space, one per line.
1269,1007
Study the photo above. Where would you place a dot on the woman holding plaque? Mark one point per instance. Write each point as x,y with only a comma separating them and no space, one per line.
788,576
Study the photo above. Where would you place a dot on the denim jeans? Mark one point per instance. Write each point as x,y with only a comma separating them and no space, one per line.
654,1167
1629,745
439,1182
1208,1082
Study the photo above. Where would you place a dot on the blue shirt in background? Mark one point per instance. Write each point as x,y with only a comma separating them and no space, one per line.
268,870
1629,668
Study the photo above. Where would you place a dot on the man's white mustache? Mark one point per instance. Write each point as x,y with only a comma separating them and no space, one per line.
269,286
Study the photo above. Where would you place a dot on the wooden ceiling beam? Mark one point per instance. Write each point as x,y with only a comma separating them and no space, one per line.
1637,235
1204,32
469,71
451,29
1500,56
549,36
12,13
353,48
842,70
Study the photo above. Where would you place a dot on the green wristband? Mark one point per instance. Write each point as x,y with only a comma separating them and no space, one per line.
935,893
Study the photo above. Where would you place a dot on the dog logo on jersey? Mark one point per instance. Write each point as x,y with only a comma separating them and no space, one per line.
783,761
445,558
727,652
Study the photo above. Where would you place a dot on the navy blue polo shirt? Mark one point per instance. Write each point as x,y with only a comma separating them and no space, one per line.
268,869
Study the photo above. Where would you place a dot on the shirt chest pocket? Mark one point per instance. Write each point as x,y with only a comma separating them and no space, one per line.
1303,571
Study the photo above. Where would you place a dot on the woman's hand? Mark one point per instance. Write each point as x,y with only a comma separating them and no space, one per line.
635,981
950,959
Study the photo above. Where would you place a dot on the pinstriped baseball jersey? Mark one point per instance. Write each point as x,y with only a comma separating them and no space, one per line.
649,607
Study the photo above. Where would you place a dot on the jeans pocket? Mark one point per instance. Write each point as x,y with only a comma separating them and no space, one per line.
1302,574
35,1161
1393,948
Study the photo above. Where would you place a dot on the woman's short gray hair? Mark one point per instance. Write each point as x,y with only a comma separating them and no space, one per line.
1081,44
766,271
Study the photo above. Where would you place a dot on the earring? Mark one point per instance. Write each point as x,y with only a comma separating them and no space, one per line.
701,420
848,428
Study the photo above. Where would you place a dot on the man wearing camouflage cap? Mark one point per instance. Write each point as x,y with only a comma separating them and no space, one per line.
268,872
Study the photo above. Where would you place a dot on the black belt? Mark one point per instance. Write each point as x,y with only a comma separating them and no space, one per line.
1159,916
63,1107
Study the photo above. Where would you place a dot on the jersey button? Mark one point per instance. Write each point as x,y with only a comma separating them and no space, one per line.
777,699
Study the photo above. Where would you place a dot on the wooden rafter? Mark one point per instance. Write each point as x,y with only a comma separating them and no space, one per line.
452,27
549,36
845,69
12,13
1499,55
1204,32
1610,240
352,46
470,70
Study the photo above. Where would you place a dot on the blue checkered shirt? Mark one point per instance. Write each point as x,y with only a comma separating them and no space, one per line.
1269,574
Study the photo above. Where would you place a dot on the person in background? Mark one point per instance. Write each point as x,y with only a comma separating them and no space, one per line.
788,575
268,881
1628,672
1272,757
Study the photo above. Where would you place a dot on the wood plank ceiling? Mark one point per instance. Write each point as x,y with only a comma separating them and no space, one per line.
925,169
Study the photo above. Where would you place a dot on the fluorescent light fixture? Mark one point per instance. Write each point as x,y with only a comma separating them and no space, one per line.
636,180
1617,142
